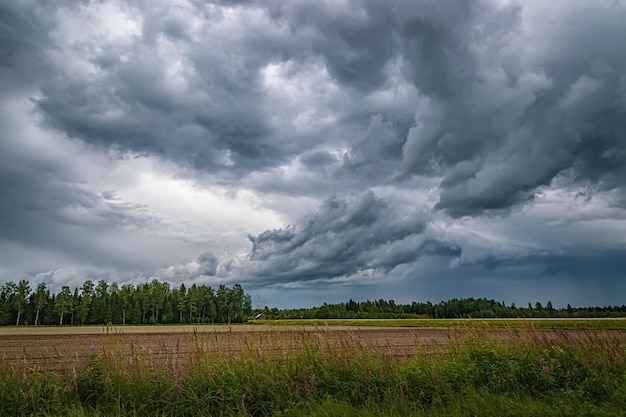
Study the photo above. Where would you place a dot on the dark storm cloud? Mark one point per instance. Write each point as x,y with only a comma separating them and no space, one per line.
373,155
497,94
472,108
560,277
317,159
355,39
344,237
505,112
216,118
213,120
23,40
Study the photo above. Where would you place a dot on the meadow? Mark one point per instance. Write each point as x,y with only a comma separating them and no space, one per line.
261,370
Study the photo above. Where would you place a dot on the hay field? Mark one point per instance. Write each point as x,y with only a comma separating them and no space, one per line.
68,348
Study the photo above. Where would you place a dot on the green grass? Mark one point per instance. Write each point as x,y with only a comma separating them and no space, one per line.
566,324
475,377
472,403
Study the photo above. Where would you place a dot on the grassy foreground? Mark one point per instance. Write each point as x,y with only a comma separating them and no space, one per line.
480,376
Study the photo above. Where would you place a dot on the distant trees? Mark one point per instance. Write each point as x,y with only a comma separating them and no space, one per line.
157,302
98,303
454,308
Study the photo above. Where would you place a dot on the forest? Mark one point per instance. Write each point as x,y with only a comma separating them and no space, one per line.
158,302
153,302
450,309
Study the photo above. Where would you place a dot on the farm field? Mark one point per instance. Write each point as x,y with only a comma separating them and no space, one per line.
528,323
65,348
262,370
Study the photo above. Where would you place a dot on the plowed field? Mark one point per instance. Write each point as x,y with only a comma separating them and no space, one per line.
66,348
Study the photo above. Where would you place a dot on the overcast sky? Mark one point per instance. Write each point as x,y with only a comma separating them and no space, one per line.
316,151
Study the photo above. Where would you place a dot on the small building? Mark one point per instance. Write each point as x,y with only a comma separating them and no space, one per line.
261,316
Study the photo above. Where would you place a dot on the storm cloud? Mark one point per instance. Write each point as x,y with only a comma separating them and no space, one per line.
307,143
344,237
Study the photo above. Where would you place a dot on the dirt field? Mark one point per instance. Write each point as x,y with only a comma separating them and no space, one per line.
67,348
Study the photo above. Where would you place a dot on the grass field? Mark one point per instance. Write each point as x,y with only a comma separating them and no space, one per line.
547,323
312,371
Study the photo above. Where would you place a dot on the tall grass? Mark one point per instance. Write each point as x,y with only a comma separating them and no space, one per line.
323,374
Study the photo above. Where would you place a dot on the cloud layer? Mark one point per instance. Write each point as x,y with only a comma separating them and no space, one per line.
354,142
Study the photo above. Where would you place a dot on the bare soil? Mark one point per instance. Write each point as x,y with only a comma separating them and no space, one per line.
68,348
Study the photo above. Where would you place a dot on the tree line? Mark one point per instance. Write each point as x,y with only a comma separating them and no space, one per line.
454,308
152,302
157,302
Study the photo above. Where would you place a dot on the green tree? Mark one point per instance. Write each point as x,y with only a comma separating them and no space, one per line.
6,292
116,303
5,311
158,293
181,302
83,307
221,304
100,305
194,299
209,310
143,294
18,298
10,289
63,303
125,295
40,299
235,304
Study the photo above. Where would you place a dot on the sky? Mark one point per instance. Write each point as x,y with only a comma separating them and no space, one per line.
316,151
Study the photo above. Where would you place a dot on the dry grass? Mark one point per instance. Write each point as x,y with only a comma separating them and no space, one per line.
251,371
68,348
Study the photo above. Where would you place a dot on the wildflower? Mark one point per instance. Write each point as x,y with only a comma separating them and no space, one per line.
558,349
544,368
93,347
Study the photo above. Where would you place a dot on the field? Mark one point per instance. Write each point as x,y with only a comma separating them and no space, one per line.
68,348
308,370
523,323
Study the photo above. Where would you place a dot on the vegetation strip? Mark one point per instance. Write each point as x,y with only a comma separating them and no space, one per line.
476,374
573,324
157,302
